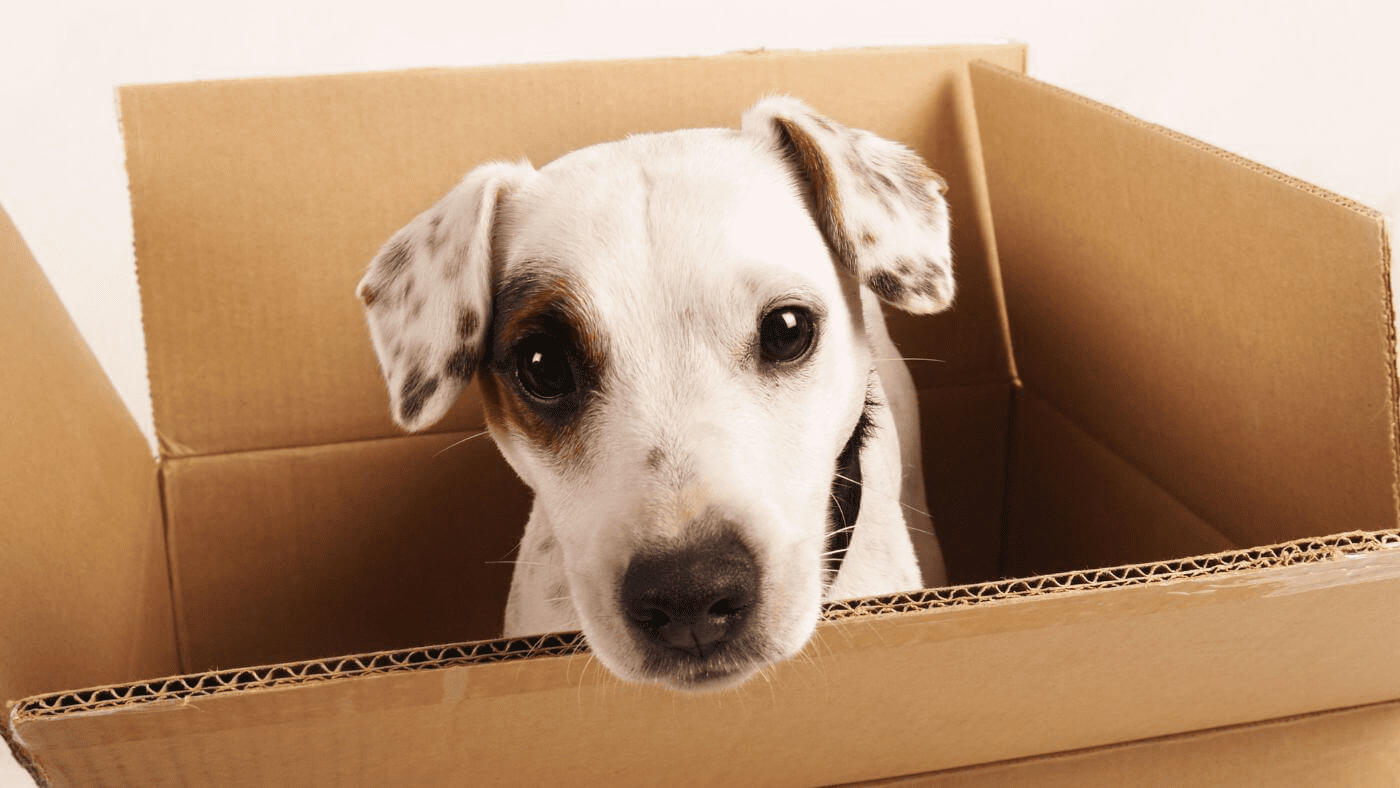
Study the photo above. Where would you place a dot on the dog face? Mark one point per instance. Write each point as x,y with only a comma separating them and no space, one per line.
669,339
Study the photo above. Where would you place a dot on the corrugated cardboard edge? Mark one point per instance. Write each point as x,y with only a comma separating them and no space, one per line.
182,689
129,154
181,648
9,732
1389,301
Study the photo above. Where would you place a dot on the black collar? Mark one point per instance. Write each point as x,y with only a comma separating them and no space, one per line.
844,508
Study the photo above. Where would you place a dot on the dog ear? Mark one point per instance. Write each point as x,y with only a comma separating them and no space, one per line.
427,296
879,207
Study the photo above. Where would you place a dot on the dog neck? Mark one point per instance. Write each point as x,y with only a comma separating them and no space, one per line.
844,508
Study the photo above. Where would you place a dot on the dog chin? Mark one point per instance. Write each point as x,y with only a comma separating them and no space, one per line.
730,666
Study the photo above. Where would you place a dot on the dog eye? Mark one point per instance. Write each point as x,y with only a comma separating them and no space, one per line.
785,333
543,368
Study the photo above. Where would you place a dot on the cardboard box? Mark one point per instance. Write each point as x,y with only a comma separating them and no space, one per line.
1160,443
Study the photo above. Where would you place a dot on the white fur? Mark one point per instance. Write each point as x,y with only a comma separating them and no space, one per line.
676,244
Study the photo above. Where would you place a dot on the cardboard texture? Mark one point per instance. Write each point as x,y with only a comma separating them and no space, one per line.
1159,428
1351,747
84,568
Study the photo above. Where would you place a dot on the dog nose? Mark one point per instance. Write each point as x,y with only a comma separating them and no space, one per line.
693,597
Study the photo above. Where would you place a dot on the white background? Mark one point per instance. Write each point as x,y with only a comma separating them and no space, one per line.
1310,89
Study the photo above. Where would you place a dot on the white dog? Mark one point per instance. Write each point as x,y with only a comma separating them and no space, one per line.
681,352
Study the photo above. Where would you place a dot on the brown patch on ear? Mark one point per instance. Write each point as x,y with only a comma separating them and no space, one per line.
368,295
464,360
396,260
917,176
655,458
885,285
417,387
467,323
872,180
434,233
824,196
462,364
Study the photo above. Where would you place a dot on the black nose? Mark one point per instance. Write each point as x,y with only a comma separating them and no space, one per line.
693,597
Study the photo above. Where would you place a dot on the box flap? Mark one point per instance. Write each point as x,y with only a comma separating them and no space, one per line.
82,557
961,676
1224,329
258,204
1353,747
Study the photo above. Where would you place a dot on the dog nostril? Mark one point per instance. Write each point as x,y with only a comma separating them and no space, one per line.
723,608
649,616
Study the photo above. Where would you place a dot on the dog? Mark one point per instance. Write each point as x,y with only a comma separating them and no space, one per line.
680,349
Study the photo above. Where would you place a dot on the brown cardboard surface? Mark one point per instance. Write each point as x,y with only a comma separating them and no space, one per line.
306,553
965,433
82,561
964,681
1224,329
1081,506
1357,748
1221,376
258,204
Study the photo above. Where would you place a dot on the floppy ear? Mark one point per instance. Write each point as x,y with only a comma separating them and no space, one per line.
880,208
427,296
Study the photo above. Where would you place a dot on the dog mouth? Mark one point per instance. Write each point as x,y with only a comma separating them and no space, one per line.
728,664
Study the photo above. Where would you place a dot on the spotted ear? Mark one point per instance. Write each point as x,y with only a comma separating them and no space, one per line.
880,208
427,296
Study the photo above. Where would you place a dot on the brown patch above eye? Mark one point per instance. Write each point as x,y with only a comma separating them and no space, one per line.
543,300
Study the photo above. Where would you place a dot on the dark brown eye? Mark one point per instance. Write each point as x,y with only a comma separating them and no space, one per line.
785,334
543,368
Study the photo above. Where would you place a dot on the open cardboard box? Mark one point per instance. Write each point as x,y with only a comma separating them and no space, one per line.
1160,445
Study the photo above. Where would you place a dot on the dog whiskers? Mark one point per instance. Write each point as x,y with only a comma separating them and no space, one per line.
914,509
455,444
908,358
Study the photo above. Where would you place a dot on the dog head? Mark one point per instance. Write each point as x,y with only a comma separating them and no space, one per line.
669,340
